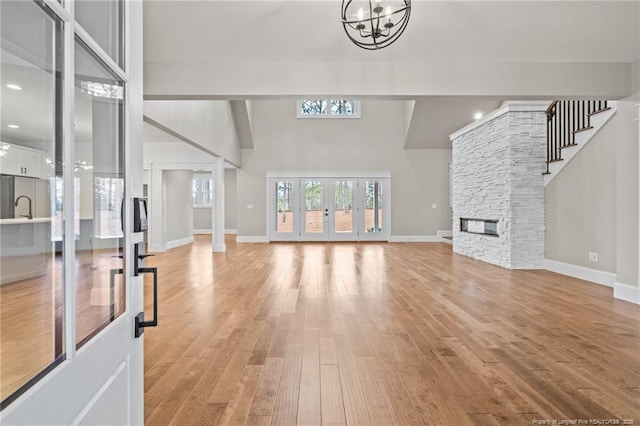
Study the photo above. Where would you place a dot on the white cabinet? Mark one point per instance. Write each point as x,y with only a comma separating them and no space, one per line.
21,161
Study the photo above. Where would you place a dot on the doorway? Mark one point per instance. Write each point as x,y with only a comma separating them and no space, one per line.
334,208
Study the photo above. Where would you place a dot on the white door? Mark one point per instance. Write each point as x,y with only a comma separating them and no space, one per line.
81,363
343,220
314,215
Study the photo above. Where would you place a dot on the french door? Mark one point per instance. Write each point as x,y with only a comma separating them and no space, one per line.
329,208
69,354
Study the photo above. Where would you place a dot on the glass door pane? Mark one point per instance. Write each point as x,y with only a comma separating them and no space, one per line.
315,210
31,149
343,220
99,174
373,206
283,216
313,207
284,202
103,20
343,207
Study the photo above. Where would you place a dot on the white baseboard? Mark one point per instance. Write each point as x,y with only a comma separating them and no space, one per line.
629,293
415,239
252,239
180,242
209,231
219,248
587,274
444,233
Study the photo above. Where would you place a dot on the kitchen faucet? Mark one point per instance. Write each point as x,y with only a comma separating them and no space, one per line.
30,215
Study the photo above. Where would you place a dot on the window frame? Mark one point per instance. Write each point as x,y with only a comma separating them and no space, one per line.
328,114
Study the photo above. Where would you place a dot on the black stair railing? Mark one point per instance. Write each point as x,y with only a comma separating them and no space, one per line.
564,120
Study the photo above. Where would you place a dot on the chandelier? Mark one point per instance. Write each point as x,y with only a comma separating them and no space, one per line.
373,26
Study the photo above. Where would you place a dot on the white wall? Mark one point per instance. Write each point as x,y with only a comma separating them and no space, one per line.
208,124
179,213
372,143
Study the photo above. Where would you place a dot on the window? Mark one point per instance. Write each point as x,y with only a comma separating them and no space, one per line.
202,190
328,108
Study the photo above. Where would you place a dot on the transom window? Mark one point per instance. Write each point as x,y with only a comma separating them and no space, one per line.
328,108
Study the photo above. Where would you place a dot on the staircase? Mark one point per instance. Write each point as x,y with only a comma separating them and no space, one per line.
570,126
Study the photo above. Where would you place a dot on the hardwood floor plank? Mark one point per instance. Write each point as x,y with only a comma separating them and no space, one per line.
331,396
222,392
309,400
355,403
240,403
286,405
258,421
265,397
379,407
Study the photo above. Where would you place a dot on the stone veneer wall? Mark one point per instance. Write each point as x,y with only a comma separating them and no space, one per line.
497,170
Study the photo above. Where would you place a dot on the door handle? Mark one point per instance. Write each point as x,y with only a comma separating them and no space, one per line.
140,323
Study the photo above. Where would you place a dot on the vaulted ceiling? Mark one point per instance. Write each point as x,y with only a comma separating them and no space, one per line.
476,52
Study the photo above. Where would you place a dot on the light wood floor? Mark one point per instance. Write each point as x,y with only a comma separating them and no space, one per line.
387,334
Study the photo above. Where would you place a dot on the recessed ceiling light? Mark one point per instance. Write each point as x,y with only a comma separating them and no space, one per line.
13,126
477,115
14,86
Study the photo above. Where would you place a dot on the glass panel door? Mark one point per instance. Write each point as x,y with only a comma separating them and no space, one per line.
342,217
283,218
315,210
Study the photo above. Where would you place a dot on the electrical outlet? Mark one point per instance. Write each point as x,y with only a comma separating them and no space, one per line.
434,206
593,256
249,206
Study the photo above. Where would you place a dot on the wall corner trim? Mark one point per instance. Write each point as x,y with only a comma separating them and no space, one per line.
180,242
593,275
252,239
626,292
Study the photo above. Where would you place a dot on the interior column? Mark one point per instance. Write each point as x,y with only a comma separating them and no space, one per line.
217,239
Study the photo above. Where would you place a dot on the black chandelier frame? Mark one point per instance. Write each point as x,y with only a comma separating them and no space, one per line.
377,30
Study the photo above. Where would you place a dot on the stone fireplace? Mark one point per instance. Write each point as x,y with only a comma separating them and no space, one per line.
498,187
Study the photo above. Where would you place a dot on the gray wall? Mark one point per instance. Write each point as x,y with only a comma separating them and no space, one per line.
592,205
373,143
179,205
202,218
230,199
